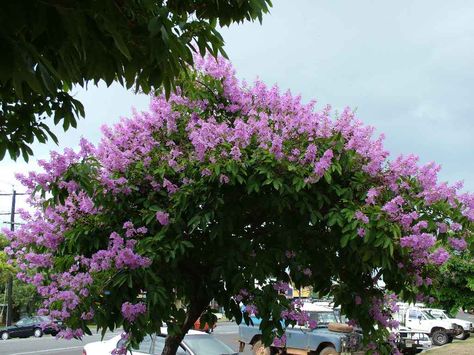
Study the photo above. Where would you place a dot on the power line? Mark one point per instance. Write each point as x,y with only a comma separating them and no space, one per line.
15,223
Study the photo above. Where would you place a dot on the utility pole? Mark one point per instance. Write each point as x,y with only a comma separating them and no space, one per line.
10,277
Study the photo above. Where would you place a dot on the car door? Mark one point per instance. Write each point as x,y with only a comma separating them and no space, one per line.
20,328
28,327
414,319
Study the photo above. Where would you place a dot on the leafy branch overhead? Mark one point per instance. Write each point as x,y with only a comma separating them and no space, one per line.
49,46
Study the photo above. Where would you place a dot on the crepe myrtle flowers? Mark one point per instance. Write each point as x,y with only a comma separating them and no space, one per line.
244,180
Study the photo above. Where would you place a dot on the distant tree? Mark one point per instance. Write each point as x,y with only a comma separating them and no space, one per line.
454,284
49,46
25,299
231,192
5,268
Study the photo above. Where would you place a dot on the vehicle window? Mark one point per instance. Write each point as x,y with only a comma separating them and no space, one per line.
159,345
428,316
414,314
145,345
120,344
206,344
44,319
323,317
21,322
439,314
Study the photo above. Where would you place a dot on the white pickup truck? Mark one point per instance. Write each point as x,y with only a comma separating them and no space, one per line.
442,314
441,331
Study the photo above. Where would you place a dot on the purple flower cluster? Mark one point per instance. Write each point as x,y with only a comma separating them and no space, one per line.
382,309
132,311
296,314
458,244
281,286
162,217
280,342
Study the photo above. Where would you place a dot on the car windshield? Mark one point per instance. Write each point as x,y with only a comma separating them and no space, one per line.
428,315
323,317
206,345
44,319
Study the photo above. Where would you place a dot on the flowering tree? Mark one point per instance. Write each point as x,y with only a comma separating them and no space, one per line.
220,190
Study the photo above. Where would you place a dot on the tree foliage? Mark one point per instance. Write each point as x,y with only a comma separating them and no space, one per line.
25,299
230,192
50,46
5,268
455,284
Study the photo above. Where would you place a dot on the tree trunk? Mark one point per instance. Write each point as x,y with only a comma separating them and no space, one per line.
194,311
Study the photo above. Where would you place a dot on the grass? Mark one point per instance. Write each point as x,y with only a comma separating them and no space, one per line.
457,347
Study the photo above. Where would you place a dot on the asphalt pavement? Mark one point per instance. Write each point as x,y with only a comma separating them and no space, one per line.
227,332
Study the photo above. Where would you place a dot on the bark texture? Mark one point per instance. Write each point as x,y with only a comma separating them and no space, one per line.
196,308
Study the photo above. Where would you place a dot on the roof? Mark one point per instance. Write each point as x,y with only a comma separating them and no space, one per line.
164,331
313,307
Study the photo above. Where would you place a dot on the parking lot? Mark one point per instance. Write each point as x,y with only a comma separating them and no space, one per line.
225,331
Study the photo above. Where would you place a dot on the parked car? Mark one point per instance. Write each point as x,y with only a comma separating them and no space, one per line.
330,336
441,331
30,326
442,314
412,342
194,343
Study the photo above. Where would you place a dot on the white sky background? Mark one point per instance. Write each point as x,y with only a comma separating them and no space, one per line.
407,66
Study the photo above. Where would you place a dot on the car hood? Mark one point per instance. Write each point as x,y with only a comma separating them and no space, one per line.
7,328
102,347
464,323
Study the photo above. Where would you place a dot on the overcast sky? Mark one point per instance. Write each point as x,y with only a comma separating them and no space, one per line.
407,66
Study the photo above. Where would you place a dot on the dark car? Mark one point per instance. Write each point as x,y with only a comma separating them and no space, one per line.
30,326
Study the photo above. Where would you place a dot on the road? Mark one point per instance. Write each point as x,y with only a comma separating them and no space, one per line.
225,331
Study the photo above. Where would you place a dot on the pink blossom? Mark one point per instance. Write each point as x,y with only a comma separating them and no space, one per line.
458,244
439,256
360,216
162,217
361,232
132,311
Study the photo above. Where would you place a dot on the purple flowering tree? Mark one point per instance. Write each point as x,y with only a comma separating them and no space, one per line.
218,191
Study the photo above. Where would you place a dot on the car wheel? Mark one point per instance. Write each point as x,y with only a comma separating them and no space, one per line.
38,333
5,336
259,349
439,337
328,350
462,336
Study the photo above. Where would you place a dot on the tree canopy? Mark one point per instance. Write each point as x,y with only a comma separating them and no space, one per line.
50,46
229,192
24,296
5,268
454,284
